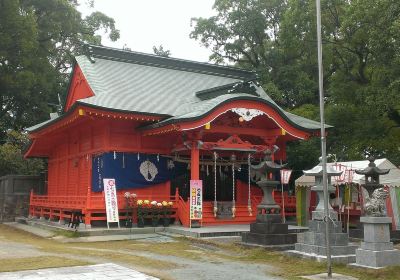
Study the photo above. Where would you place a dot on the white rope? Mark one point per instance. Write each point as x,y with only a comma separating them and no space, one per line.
249,199
233,190
215,185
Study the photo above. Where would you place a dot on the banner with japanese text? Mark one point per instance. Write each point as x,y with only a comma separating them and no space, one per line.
285,176
196,199
110,194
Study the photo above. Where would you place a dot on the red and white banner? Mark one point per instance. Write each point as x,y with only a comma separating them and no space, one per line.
340,167
196,199
285,176
347,174
110,194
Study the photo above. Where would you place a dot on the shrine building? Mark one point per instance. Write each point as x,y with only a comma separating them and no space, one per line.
154,123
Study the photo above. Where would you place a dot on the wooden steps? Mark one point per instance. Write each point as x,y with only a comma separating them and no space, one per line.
241,217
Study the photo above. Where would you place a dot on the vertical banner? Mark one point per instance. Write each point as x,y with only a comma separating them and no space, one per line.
110,194
196,199
342,177
285,176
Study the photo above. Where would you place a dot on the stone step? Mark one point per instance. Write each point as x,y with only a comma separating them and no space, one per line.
269,239
321,250
269,228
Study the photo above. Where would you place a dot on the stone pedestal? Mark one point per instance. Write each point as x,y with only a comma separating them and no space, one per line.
313,243
376,250
269,231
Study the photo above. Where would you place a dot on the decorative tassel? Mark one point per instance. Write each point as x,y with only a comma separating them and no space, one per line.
158,157
115,155
215,208
123,160
208,173
249,208
138,156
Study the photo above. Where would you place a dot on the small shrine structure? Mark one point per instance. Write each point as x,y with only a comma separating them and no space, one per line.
153,124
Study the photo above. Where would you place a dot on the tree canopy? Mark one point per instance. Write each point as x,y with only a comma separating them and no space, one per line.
361,55
38,40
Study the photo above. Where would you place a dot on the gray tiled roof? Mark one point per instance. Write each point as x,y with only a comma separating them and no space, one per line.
135,82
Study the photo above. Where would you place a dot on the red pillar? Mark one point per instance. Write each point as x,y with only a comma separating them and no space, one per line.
194,162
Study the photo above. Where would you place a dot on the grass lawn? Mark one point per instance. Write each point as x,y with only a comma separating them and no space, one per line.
123,252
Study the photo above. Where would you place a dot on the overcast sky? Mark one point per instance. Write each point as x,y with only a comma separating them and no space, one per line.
147,23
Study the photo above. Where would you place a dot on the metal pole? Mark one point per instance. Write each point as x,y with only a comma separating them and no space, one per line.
283,201
323,139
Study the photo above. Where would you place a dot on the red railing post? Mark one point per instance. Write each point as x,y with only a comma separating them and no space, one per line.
176,195
31,212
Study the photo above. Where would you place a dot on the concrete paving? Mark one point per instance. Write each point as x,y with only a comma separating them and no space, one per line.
106,271
335,276
45,233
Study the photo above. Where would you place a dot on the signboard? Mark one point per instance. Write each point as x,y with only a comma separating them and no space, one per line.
110,194
285,176
196,199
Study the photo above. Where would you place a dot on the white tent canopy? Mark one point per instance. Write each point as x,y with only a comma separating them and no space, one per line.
349,176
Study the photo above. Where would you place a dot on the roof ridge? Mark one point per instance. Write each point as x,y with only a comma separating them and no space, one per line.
168,62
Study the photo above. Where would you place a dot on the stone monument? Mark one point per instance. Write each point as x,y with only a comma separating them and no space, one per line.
268,230
376,250
312,244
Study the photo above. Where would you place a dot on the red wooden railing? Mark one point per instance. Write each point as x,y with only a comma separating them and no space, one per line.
183,211
93,207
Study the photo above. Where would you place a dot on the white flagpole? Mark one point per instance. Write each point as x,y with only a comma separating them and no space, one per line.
323,139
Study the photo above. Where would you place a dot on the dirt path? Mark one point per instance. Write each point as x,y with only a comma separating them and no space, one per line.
165,257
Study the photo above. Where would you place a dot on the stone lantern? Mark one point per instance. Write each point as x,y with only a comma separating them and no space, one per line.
372,173
376,250
268,230
312,244
264,175
319,213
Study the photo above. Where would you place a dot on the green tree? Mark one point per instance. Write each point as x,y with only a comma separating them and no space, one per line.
12,159
38,39
361,64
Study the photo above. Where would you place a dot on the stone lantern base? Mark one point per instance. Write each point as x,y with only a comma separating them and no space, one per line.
312,244
376,250
269,231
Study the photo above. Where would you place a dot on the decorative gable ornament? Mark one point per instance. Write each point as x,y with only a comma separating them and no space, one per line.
148,170
247,114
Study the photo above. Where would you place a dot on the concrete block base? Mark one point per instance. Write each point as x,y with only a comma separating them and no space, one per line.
345,259
377,259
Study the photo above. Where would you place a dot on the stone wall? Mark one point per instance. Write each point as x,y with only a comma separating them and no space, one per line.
14,195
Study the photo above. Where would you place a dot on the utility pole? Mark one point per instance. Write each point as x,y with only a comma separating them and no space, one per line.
323,140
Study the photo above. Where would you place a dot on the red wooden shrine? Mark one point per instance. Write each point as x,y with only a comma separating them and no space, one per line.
136,103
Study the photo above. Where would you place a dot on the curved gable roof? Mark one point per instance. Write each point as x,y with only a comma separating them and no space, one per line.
173,88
